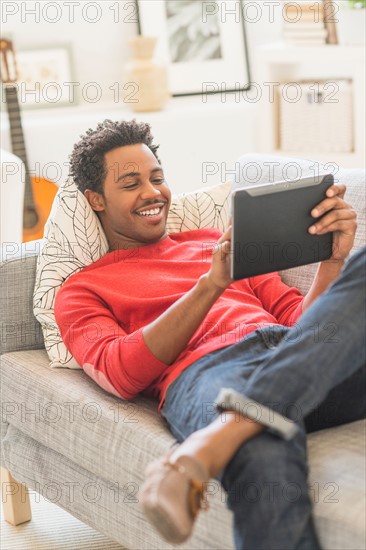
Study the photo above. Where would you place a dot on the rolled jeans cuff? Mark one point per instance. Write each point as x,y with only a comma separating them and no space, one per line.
230,400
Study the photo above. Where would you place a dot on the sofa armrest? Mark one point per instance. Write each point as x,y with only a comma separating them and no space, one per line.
11,197
19,329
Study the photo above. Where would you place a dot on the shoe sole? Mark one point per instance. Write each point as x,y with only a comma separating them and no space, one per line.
164,525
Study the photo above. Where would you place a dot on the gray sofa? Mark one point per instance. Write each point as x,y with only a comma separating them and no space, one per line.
86,450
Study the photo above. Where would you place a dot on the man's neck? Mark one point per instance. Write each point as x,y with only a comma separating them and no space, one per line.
119,244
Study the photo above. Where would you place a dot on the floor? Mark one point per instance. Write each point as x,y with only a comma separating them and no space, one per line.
51,528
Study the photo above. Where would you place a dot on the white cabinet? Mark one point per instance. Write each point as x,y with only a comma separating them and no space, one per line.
280,63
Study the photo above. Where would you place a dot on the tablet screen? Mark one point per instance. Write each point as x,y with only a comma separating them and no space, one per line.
270,226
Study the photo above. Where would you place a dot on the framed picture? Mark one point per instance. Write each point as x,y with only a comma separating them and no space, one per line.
45,77
202,43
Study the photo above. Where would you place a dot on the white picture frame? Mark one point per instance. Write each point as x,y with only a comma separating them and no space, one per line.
48,72
191,73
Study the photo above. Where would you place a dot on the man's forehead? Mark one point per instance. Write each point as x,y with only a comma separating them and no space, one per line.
135,167
131,154
125,151
123,164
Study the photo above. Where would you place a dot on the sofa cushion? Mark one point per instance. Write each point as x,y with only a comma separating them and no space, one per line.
64,409
19,328
111,508
74,238
337,481
77,423
70,422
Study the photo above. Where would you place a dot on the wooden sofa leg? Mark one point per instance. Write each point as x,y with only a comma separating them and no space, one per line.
15,499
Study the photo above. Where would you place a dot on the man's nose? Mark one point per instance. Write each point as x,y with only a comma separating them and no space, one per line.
150,190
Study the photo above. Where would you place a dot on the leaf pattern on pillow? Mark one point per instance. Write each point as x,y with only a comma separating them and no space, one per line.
54,275
175,218
85,228
56,349
208,207
199,211
66,250
69,183
222,215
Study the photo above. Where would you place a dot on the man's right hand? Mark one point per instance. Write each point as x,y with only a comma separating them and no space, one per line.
219,273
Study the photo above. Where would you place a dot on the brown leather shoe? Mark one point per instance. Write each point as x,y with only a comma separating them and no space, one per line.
173,494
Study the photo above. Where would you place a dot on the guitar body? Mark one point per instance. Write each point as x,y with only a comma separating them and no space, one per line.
43,192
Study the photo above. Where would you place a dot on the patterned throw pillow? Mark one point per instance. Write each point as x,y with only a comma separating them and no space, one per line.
74,238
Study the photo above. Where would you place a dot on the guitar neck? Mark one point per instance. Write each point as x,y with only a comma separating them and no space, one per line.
17,139
15,123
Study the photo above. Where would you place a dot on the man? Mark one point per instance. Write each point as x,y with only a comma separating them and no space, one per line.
156,316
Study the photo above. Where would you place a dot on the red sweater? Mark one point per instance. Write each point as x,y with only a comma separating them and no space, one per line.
102,310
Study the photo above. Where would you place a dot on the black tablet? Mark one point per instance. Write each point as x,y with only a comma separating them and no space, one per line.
270,225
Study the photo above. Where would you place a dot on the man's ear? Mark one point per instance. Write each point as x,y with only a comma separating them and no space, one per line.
96,200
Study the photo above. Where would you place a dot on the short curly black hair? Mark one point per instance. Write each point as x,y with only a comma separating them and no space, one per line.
87,163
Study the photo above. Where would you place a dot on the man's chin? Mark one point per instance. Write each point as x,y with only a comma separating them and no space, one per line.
150,239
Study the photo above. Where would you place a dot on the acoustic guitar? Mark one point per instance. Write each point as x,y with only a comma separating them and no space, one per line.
38,192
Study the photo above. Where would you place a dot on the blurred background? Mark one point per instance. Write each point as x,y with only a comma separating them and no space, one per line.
274,71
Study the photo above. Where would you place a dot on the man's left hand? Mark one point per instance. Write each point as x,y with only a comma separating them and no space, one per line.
340,218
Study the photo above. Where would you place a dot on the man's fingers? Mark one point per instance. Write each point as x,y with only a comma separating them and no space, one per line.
336,190
336,220
329,204
334,199
225,236
223,250
224,246
347,227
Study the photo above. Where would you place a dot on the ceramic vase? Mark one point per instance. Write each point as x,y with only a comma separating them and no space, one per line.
146,82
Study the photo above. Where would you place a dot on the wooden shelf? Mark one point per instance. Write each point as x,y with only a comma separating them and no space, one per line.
281,52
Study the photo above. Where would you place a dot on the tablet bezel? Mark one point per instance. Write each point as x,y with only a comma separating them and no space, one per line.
318,184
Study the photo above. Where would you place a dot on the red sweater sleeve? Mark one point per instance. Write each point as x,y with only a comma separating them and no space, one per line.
282,301
115,359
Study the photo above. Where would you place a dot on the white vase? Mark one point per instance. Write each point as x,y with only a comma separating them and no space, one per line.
148,79
351,26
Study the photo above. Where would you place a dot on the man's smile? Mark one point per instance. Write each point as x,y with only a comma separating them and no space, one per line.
153,212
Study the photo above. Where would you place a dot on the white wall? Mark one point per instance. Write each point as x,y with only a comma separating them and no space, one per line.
98,33
99,52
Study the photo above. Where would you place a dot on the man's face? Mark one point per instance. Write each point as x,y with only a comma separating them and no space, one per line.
136,199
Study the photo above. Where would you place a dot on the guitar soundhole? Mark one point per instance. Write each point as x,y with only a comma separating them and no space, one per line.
30,219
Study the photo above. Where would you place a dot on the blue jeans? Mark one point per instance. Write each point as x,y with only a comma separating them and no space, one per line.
314,375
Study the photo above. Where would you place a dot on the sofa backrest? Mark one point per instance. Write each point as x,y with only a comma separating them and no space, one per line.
19,328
